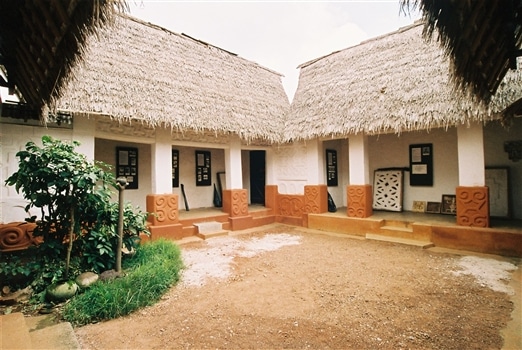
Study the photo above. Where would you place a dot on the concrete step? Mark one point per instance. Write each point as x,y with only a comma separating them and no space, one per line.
397,228
398,225
38,332
59,336
210,229
14,333
413,242
211,234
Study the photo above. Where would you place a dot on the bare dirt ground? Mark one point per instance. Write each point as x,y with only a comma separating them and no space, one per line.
288,287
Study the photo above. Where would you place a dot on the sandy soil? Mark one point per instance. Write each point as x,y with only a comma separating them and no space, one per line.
288,287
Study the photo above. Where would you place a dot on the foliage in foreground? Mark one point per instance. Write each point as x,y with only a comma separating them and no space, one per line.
150,273
72,197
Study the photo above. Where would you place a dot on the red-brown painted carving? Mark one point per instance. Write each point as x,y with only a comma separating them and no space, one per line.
472,206
291,205
315,199
17,236
165,208
359,201
238,203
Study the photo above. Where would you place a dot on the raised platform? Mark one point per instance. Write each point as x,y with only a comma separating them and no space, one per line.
503,238
196,223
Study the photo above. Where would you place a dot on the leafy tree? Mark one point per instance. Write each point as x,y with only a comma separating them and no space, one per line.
73,197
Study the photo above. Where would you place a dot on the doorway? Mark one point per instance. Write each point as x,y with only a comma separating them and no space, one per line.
257,177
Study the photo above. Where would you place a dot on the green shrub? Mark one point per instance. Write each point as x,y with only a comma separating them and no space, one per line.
73,198
149,274
98,245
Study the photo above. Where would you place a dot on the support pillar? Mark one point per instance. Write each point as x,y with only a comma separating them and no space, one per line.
472,193
162,162
233,167
473,206
235,198
164,218
359,192
315,199
271,196
359,201
235,203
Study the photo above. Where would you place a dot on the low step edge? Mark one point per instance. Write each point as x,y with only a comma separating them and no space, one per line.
58,337
397,228
211,234
413,242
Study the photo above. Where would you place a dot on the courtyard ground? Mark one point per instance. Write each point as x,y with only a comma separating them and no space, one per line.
288,287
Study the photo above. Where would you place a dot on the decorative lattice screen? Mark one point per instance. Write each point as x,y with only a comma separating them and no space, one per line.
387,190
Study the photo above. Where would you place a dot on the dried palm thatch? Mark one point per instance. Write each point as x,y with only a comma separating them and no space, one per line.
482,37
41,40
137,71
394,83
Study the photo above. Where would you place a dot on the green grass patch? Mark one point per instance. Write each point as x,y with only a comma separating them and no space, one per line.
154,268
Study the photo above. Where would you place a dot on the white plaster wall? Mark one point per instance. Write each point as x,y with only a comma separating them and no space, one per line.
105,151
13,139
197,196
391,150
290,168
494,137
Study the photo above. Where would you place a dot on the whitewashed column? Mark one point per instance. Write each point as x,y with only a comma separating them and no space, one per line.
472,193
359,160
233,168
270,168
471,155
359,192
162,162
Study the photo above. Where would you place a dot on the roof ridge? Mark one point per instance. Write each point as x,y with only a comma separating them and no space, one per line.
364,42
199,41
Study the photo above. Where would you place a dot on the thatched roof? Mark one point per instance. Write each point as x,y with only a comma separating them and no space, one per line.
482,37
142,72
41,40
394,83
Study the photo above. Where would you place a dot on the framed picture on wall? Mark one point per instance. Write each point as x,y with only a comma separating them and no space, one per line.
433,207
127,165
175,168
449,204
203,169
421,164
331,167
418,206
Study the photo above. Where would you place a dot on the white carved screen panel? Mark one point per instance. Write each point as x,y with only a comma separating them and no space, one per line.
387,190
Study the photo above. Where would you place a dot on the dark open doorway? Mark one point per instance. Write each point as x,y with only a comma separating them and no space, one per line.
257,177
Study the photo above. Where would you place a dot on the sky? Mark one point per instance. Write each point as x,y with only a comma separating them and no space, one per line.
279,35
